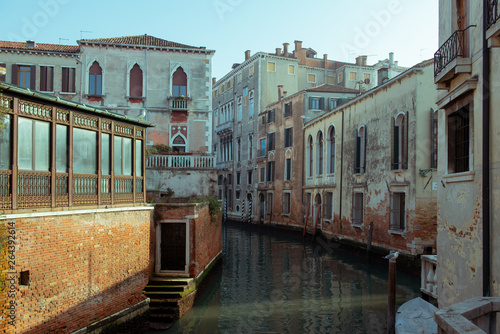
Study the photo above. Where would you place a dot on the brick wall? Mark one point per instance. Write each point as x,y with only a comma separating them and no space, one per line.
206,235
82,267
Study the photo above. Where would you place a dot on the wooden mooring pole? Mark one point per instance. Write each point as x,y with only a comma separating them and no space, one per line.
369,243
391,298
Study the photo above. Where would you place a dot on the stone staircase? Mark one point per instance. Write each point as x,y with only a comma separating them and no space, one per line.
169,298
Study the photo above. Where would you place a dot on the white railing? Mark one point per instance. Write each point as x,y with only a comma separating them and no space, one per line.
429,275
179,103
227,126
180,161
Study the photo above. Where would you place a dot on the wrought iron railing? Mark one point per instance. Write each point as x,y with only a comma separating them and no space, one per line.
181,161
493,12
450,50
38,190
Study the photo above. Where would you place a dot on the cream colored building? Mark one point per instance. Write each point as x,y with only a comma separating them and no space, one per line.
469,159
372,160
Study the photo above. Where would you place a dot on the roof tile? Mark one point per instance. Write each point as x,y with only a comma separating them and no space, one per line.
144,40
40,47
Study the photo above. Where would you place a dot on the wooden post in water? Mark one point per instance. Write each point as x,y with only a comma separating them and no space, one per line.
369,243
305,222
391,298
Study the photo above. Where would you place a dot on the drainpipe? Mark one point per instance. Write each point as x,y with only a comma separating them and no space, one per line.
486,157
341,170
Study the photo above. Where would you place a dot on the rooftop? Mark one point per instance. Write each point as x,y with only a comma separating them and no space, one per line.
143,40
30,45
327,88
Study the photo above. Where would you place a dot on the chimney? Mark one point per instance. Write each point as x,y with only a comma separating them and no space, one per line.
363,60
214,80
278,51
298,45
325,61
391,59
30,44
280,92
285,49
247,54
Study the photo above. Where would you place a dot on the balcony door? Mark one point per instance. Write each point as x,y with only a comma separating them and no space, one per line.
463,23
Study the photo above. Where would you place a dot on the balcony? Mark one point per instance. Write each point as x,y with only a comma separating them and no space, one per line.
493,30
224,128
181,161
178,103
476,315
429,275
450,60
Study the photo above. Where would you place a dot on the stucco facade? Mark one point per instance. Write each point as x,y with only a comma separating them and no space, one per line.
253,84
369,160
467,266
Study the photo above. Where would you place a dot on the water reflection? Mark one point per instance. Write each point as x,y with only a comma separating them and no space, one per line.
272,281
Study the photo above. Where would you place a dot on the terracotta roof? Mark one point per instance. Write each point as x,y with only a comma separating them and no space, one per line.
326,88
40,47
145,40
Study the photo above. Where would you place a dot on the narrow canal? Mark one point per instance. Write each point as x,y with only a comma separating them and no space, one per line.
274,281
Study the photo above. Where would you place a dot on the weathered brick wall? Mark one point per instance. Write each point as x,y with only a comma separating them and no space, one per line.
205,234
82,268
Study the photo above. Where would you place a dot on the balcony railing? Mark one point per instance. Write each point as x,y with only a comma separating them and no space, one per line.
450,50
493,12
179,103
39,190
429,275
181,161
224,127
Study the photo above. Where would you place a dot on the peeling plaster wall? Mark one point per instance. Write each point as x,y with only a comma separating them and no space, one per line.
183,182
413,93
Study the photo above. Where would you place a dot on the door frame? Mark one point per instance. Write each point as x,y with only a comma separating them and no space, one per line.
158,270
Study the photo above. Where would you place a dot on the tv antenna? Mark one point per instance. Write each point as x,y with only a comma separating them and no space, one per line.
84,31
63,39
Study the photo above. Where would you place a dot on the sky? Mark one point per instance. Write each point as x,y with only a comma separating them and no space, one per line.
342,29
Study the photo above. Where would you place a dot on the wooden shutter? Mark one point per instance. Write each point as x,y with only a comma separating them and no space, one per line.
357,149
14,80
395,146
43,78
322,103
433,160
65,79
2,77
310,102
33,77
364,151
405,133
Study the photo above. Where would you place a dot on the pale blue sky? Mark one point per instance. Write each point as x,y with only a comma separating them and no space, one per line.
340,28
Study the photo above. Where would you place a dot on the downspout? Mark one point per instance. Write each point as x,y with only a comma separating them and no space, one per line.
341,170
486,157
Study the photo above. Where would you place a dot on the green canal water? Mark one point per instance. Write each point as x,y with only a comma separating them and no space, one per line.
274,281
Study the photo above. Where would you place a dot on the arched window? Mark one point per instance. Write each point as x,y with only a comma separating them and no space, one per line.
288,165
310,157
179,83
179,144
95,79
400,142
250,105
135,81
331,151
360,150
319,153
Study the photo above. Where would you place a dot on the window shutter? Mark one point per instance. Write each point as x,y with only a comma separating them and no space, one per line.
405,142
2,77
291,137
356,151
322,103
310,102
396,148
43,78
433,162
33,77
364,151
14,74
290,108
65,79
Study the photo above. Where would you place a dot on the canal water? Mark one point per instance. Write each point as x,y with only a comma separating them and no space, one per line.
274,281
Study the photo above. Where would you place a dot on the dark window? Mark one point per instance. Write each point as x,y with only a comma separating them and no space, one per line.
288,109
135,81
398,211
316,103
262,147
249,177
271,141
458,141
328,213
47,78
262,174
68,80
357,209
179,83
263,119
269,203
270,171
286,203
400,142
270,116
331,150
179,144
310,151
238,178
24,76
360,150
320,153
288,169
95,79
289,137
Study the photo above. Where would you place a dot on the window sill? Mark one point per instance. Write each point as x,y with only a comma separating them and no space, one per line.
397,232
459,177
327,220
68,93
360,226
286,215
94,96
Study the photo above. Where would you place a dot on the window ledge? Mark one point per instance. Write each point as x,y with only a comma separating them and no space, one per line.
91,95
285,214
459,177
327,220
360,226
68,93
397,232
